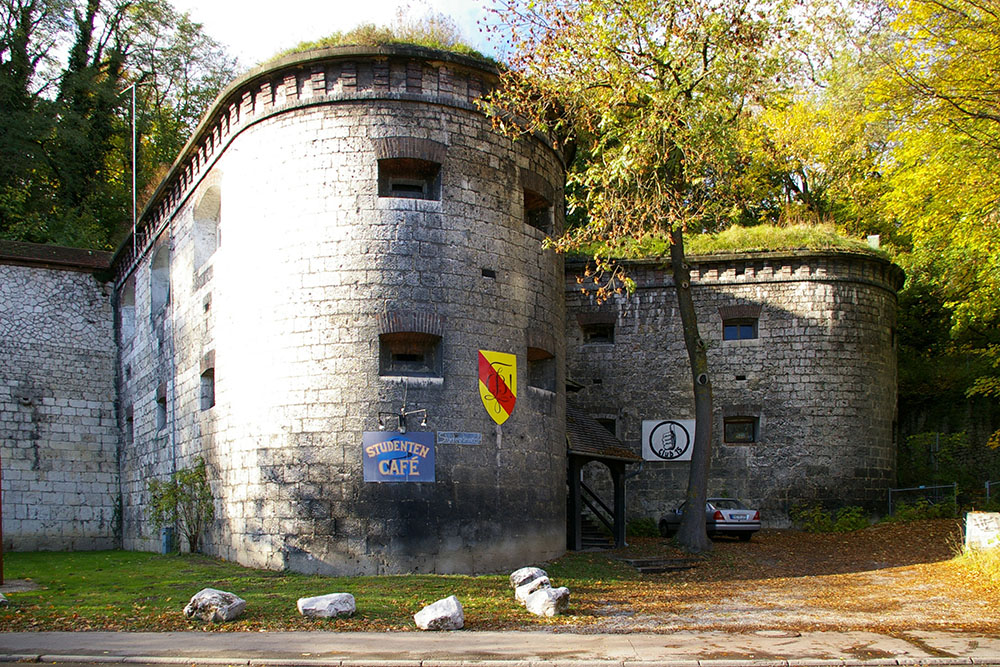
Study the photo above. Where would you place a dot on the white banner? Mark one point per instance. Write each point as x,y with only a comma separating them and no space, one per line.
667,439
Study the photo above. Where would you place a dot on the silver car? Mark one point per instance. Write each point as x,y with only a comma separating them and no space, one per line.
723,516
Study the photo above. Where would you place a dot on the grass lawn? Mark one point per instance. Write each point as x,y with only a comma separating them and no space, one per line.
895,577
120,590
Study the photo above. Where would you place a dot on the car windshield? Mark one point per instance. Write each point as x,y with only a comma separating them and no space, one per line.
726,504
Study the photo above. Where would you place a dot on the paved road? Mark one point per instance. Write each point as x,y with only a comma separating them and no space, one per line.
502,649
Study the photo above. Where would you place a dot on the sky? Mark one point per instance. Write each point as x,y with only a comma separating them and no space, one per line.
255,35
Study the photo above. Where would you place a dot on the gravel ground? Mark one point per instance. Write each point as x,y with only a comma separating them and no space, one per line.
888,578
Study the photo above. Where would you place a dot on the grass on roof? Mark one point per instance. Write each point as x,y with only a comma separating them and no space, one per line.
433,32
759,238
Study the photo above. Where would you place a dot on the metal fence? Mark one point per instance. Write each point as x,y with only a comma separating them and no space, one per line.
988,485
932,494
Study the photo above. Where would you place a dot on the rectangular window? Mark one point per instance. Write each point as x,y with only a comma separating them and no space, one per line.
159,281
409,178
126,309
129,427
743,329
208,389
161,413
740,430
598,332
410,353
537,211
541,369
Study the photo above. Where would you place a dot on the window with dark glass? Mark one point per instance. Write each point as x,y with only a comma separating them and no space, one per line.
409,178
598,332
609,423
541,369
742,329
740,430
537,211
410,353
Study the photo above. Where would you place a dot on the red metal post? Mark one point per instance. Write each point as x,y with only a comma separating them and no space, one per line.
1,523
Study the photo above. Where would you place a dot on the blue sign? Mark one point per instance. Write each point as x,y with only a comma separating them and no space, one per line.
459,438
391,456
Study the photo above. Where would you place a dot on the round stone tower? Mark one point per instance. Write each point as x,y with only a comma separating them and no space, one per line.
802,352
347,232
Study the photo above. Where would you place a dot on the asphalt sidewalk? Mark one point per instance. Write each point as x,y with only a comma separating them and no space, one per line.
503,649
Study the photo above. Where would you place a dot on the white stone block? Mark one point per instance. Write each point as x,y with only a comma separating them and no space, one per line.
327,606
444,614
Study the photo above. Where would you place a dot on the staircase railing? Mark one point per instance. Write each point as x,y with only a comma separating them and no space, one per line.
607,516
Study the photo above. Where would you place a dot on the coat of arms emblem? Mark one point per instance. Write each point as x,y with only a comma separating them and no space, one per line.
498,383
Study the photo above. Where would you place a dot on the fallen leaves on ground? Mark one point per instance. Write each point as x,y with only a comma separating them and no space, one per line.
889,578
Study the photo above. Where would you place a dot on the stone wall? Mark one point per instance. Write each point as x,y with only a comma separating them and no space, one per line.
313,267
342,235
57,395
819,378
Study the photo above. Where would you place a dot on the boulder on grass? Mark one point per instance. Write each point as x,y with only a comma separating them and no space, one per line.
548,601
214,606
524,575
327,606
444,614
522,592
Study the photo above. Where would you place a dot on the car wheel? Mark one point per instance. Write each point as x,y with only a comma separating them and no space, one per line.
664,528
745,537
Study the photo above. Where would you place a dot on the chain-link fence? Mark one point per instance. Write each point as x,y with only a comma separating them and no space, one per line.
935,495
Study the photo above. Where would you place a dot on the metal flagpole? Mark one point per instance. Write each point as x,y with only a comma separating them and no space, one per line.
133,169
132,88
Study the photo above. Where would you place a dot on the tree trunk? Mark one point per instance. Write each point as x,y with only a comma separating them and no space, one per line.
691,535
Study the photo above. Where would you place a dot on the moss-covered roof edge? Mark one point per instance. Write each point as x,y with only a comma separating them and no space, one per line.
898,276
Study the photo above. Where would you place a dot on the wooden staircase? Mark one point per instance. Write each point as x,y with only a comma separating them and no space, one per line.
594,536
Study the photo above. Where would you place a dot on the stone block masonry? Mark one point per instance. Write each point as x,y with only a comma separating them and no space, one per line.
360,216
811,386
58,432
342,235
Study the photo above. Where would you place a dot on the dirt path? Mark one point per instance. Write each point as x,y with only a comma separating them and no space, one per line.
889,578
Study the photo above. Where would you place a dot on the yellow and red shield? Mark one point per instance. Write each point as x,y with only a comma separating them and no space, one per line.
498,383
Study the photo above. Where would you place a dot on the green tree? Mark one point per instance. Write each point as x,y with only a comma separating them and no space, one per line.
654,92
940,80
819,152
179,70
65,149
29,31
825,149
185,501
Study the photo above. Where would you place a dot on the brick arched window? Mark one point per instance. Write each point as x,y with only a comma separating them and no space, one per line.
410,344
409,168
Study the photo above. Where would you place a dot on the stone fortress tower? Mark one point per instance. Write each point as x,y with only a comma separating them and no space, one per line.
315,299
801,349
340,238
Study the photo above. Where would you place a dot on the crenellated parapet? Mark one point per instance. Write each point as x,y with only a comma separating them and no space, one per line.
747,268
336,75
